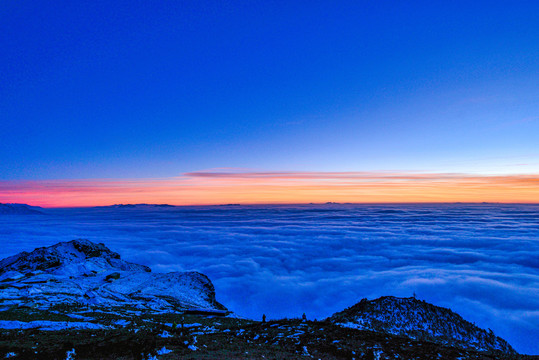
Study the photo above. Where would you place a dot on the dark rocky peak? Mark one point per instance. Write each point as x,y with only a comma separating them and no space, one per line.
419,320
67,253
90,249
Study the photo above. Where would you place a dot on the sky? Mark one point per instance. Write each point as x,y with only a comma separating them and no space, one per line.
257,102
102,92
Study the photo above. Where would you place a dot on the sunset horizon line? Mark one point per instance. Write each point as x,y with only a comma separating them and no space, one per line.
281,204
205,188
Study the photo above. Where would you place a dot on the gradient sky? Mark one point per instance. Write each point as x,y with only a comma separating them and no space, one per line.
149,92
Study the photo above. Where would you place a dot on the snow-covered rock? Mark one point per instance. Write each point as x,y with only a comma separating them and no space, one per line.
421,321
82,272
48,325
163,351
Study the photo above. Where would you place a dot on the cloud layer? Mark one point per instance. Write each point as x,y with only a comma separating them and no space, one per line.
479,260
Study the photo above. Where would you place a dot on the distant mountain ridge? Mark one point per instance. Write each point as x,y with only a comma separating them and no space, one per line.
419,320
19,209
137,206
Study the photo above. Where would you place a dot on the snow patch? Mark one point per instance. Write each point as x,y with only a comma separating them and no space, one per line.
163,351
165,334
70,354
49,325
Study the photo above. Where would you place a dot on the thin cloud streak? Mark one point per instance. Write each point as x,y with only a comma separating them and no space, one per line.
211,187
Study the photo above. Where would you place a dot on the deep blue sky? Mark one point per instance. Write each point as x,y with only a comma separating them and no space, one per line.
103,89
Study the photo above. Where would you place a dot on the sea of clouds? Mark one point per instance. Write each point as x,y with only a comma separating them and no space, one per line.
480,260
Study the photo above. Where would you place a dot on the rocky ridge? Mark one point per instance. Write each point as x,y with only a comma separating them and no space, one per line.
84,273
419,320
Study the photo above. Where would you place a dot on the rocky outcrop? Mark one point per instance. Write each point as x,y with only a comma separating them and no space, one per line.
62,256
83,272
419,320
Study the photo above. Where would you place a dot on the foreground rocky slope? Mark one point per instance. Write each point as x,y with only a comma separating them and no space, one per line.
80,300
202,337
84,273
419,320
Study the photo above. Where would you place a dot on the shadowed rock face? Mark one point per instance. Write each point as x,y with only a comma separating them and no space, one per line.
419,320
83,272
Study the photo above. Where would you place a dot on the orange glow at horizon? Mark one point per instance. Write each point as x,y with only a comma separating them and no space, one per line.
209,188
